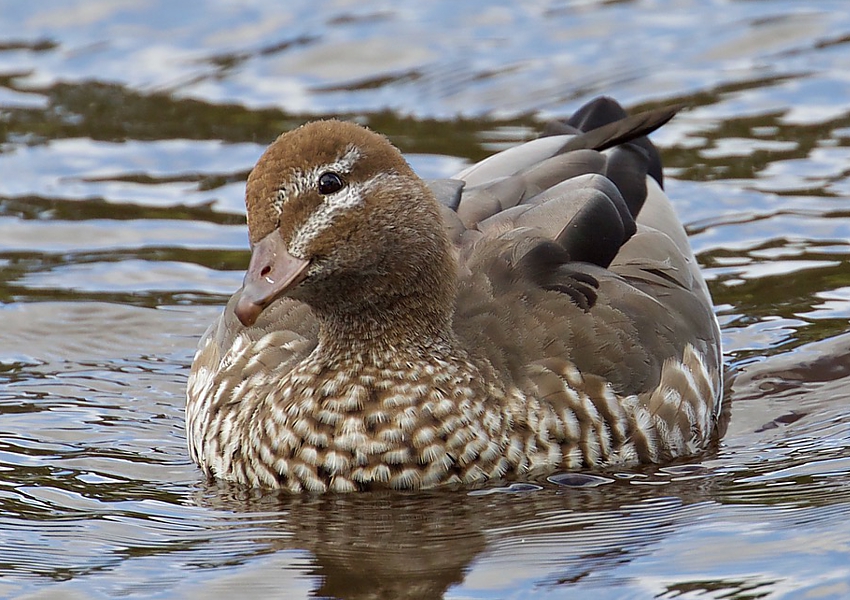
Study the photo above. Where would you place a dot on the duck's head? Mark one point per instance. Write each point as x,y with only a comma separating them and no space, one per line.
339,220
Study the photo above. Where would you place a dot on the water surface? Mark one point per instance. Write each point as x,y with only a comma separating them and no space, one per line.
126,132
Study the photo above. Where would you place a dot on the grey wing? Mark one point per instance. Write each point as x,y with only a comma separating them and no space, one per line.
582,215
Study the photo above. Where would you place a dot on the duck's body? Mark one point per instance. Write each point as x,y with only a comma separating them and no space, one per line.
521,323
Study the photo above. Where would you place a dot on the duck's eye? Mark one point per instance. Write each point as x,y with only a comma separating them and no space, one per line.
330,183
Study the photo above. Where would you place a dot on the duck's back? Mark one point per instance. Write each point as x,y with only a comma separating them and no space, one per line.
572,259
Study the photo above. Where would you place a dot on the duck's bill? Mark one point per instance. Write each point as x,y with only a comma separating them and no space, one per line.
272,271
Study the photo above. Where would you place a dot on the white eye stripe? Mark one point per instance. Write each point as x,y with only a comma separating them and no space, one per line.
323,217
345,163
303,181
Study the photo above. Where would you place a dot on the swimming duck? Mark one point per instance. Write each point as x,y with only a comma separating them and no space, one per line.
540,311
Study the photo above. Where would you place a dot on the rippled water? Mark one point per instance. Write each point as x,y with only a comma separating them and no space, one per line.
126,131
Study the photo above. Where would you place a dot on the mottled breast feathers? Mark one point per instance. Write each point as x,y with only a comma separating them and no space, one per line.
540,311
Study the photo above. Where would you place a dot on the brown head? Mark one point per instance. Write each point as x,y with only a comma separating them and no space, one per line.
338,219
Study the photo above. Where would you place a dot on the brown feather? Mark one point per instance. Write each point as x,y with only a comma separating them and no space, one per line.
546,313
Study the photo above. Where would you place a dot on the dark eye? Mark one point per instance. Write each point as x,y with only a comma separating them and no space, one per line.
330,183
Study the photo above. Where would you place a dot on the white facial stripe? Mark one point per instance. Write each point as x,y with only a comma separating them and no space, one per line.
323,217
345,163
302,181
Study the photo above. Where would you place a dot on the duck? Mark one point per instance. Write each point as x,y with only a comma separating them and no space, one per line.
541,311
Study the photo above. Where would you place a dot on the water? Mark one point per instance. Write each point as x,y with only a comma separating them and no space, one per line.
126,132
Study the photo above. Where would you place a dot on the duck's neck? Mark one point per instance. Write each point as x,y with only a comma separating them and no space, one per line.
406,330
406,309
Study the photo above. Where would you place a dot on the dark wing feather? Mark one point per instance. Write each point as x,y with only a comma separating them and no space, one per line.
603,111
596,113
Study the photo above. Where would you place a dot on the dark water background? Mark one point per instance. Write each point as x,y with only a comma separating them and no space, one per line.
127,129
